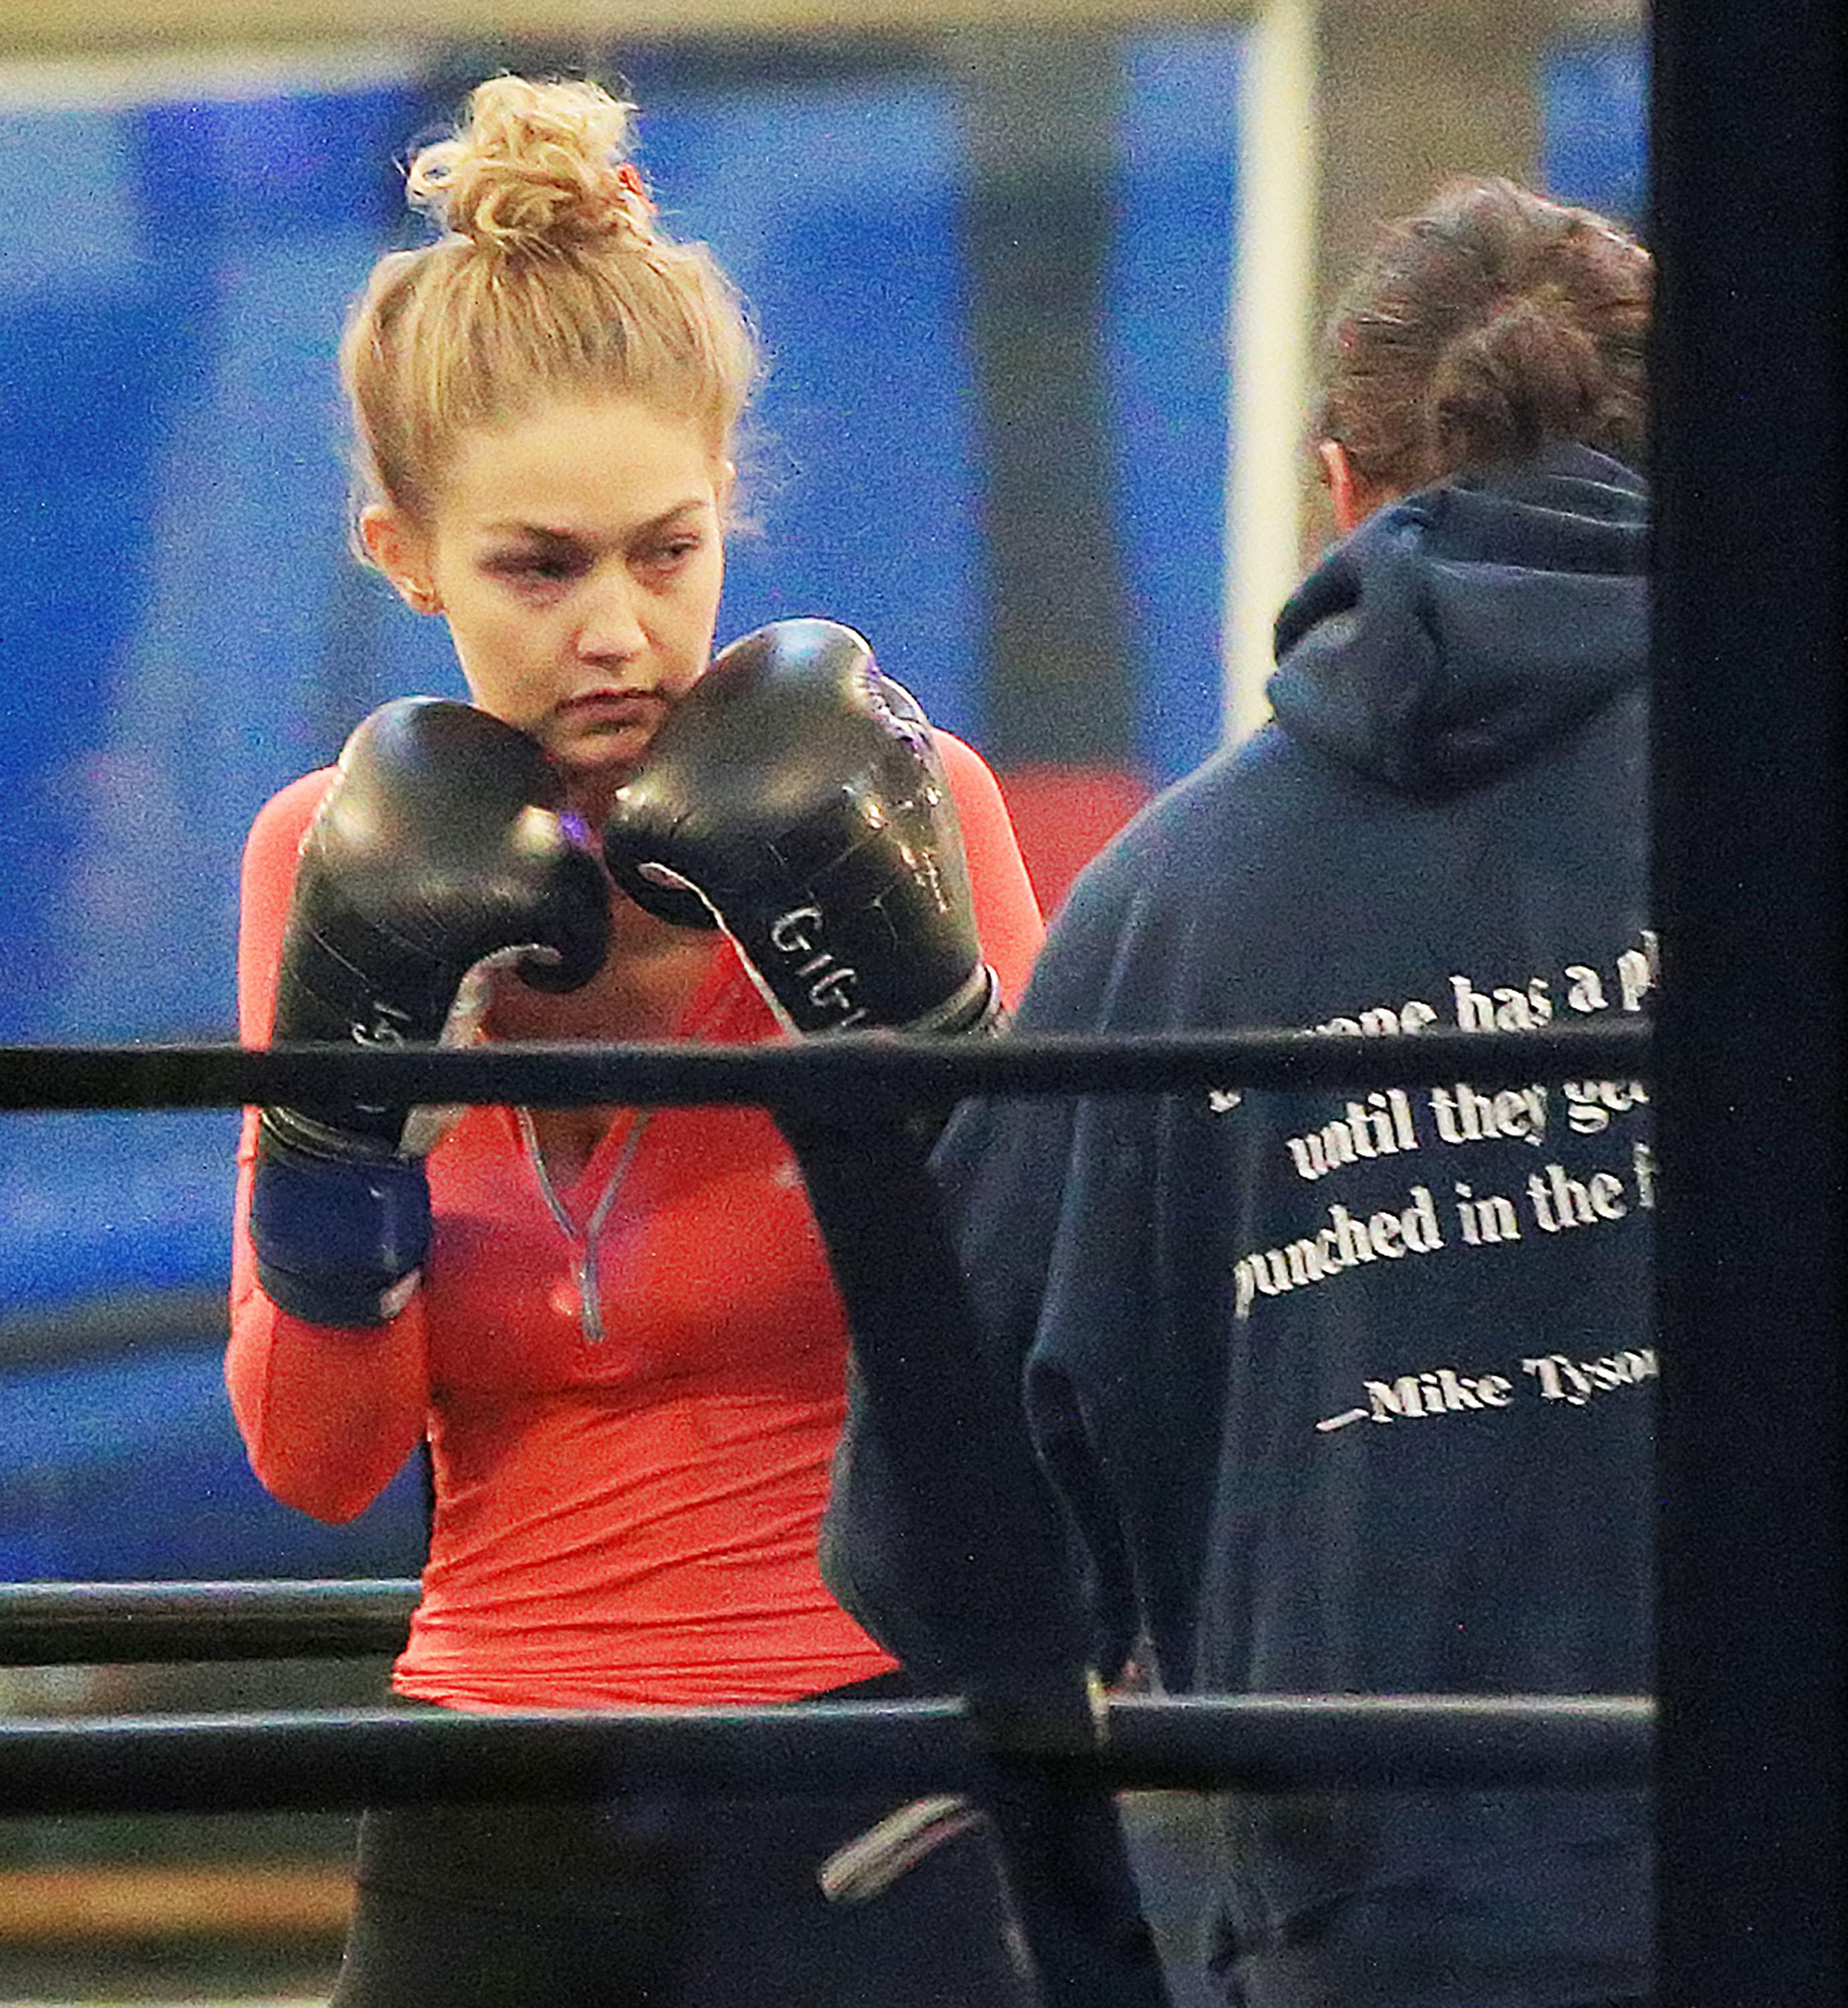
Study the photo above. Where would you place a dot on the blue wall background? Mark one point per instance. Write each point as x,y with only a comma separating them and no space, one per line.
1593,103
182,630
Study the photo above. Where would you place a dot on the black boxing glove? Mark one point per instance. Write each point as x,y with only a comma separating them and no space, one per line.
795,798
438,854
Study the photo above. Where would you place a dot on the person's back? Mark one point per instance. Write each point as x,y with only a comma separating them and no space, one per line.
1350,1392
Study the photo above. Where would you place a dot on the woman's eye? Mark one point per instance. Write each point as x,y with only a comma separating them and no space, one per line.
538,568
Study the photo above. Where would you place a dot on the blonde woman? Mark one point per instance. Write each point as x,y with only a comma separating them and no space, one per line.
615,1329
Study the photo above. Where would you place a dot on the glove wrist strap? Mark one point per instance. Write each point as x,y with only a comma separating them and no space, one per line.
341,1238
975,1007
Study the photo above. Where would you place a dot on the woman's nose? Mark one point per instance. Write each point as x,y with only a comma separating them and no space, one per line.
611,628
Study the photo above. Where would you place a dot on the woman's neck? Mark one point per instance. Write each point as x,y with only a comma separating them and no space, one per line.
651,974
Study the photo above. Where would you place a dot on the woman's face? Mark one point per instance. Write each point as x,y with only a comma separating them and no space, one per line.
576,553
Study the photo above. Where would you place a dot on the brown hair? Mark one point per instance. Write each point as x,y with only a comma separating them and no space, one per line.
1492,322
551,278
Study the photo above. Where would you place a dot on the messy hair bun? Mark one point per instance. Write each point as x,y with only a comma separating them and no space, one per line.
536,167
1495,321
1527,374
551,280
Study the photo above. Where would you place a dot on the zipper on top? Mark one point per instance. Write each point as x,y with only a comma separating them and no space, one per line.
590,1302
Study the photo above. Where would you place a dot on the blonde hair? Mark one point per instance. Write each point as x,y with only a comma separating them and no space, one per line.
551,278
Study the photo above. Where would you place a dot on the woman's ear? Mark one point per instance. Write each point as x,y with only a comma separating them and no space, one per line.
402,552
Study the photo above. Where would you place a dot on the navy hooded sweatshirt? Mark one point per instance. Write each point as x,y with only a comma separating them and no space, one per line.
1352,1393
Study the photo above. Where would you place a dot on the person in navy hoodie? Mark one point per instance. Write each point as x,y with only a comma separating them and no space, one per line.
1352,1393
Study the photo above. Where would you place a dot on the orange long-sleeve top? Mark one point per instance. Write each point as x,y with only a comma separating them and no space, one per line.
631,1385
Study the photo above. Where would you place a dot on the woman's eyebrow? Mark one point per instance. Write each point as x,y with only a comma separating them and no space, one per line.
552,534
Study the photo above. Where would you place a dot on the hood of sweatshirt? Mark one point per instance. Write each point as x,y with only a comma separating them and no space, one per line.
1458,629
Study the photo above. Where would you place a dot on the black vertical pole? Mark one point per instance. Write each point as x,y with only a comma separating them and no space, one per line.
1009,1620
1746,146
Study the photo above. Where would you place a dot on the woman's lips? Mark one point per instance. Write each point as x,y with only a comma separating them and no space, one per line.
612,707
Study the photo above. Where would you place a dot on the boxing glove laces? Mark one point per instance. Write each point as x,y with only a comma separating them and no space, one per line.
795,798
438,854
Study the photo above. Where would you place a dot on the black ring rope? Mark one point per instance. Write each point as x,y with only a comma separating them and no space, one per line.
147,1624
338,1759
842,1069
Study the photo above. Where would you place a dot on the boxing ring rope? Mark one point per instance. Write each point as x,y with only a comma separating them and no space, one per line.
153,1624
1263,1742
343,1759
839,1074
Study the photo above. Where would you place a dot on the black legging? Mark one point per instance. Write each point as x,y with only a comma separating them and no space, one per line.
660,1901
